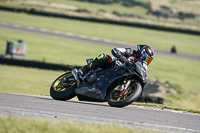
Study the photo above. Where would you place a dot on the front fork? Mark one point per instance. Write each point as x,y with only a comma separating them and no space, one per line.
124,86
75,74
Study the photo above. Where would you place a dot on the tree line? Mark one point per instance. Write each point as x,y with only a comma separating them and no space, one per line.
127,3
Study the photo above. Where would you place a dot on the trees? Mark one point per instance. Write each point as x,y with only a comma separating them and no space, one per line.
127,3
99,1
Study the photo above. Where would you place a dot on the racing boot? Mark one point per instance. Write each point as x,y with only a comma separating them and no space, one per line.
83,71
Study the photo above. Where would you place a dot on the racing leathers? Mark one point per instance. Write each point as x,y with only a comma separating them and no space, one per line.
104,60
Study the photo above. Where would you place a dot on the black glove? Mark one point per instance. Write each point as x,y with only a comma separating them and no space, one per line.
126,61
123,59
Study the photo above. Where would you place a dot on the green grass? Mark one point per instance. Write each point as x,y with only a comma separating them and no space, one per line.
185,6
181,72
11,124
157,39
153,105
175,70
26,80
53,49
92,7
179,5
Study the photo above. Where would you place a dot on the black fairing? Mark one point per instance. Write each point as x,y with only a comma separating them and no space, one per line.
97,88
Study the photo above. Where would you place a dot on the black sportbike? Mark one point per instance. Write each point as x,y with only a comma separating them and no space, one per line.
119,86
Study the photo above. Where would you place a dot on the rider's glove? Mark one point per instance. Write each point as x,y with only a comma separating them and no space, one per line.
126,62
123,59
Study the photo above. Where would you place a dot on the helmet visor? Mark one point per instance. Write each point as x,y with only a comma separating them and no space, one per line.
148,59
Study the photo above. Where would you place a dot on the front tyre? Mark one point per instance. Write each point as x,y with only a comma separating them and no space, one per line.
121,99
61,91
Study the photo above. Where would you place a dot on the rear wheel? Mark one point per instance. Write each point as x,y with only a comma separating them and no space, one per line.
120,99
63,88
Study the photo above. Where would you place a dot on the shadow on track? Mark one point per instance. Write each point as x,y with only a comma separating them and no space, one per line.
89,103
79,102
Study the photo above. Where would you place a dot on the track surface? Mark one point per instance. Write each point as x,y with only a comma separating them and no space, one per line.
89,39
137,117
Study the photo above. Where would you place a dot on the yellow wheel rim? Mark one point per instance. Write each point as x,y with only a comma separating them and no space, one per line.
127,94
58,87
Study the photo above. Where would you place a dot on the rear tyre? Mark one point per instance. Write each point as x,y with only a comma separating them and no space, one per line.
58,91
130,95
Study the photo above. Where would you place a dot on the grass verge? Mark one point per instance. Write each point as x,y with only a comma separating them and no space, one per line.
153,105
11,124
26,80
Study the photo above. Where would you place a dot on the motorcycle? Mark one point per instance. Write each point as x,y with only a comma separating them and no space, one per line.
119,86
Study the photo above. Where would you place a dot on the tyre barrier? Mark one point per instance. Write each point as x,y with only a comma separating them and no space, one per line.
37,64
150,99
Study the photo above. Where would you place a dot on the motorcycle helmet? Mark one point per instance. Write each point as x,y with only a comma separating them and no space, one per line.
146,53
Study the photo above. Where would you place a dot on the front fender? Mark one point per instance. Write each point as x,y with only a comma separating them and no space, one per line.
112,78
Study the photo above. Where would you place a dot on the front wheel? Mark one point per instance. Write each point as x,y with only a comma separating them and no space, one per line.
63,88
120,99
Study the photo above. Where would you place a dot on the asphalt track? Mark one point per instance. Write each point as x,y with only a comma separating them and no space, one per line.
89,112
96,40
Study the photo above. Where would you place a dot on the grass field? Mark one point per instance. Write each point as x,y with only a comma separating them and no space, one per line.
26,125
67,5
157,39
185,6
53,49
91,7
26,80
95,10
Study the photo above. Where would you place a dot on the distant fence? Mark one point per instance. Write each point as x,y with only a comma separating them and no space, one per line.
133,24
36,64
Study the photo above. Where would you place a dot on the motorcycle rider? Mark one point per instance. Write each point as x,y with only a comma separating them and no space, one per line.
144,53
